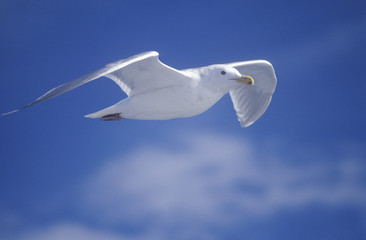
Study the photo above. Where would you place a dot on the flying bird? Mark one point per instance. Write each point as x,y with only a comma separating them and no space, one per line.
158,92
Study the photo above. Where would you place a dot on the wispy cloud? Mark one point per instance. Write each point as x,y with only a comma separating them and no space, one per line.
214,180
205,181
70,231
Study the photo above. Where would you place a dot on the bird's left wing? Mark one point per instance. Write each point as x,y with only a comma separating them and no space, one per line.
250,102
135,74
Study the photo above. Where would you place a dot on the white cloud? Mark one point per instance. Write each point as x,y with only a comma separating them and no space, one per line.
203,182
73,231
213,180
70,232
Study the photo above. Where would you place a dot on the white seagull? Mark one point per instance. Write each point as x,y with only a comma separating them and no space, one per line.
159,92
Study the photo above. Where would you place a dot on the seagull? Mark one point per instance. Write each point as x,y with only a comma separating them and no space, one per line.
159,92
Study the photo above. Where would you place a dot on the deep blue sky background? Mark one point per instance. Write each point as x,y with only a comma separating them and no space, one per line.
297,173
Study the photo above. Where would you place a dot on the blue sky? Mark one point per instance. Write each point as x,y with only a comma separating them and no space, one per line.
297,173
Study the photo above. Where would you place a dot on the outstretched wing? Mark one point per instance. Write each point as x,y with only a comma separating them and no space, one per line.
250,102
136,74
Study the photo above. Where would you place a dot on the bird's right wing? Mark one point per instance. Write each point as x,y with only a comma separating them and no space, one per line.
250,102
136,74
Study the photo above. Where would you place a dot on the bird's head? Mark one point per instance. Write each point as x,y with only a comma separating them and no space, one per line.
225,77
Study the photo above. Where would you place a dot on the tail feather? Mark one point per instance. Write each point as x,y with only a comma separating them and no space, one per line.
105,112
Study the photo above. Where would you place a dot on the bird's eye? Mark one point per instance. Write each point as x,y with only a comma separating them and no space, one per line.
223,72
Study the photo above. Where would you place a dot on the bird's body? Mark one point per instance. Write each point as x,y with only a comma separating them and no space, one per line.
158,92
162,104
177,100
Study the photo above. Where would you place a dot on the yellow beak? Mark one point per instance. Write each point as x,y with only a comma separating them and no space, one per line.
248,80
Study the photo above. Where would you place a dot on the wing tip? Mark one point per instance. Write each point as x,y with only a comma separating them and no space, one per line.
245,124
7,113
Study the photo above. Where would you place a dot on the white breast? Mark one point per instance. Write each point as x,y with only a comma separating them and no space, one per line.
168,103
